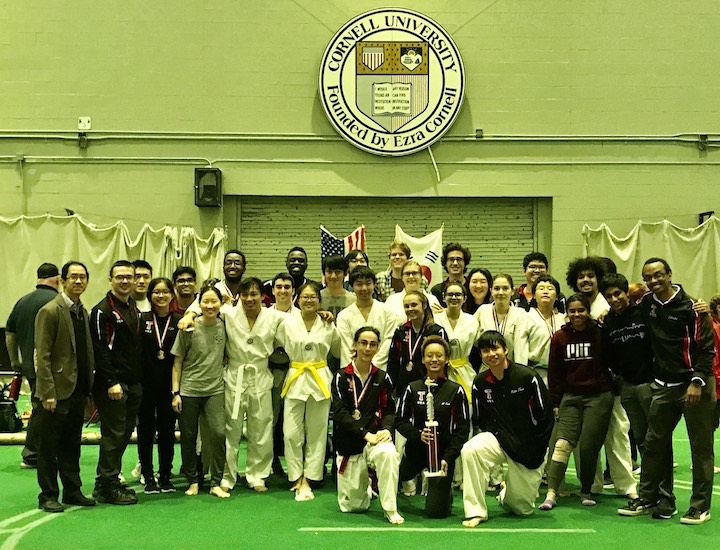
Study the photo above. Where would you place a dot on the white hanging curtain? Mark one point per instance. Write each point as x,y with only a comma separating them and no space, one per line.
27,242
691,252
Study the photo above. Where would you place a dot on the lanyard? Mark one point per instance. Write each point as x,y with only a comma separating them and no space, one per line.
160,339
117,312
500,326
233,298
366,385
411,348
551,325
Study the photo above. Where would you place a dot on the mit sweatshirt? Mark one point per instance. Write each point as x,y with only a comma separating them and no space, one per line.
578,363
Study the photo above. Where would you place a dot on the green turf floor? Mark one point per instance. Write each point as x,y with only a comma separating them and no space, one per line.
274,520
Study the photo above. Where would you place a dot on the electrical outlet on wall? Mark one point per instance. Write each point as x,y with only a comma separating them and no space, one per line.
84,123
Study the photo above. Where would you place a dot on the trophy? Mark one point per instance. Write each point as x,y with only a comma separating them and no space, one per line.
434,469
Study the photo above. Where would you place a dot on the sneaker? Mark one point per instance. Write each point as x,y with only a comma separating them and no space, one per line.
638,507
166,486
151,487
665,510
548,504
136,471
114,495
695,517
27,465
587,500
716,470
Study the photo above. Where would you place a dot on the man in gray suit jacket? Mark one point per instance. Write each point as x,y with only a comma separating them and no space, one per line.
64,364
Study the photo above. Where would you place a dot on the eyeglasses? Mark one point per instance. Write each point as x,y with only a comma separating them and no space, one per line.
124,277
308,298
536,267
366,344
455,260
77,277
453,294
411,274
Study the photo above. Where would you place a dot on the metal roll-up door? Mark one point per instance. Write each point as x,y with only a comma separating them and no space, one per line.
498,231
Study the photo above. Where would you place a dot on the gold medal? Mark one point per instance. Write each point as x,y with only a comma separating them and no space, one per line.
161,355
356,414
410,366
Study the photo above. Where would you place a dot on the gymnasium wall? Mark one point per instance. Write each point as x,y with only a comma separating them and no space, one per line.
596,105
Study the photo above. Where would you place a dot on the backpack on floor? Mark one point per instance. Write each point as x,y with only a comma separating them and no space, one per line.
10,420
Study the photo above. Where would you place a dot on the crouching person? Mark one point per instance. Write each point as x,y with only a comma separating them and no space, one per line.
444,433
363,416
512,408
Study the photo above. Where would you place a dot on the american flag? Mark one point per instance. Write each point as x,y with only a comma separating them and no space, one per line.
330,245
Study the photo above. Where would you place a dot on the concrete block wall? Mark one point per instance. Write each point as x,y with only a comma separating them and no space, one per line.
533,67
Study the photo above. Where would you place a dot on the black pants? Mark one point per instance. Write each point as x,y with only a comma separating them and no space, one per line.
666,408
30,450
438,503
156,414
59,435
117,421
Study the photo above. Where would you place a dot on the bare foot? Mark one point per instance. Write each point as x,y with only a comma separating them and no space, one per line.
192,490
304,493
394,518
474,522
219,492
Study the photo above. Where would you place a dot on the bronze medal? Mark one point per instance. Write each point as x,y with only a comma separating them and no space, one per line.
356,414
161,355
410,366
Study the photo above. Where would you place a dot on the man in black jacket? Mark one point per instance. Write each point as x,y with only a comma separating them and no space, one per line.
684,385
115,329
512,408
363,415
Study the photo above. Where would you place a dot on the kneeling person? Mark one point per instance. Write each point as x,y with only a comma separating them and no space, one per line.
453,425
512,408
363,415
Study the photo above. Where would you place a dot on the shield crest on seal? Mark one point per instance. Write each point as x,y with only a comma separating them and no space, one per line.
391,83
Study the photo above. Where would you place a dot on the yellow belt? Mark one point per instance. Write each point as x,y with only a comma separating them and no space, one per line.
456,364
302,367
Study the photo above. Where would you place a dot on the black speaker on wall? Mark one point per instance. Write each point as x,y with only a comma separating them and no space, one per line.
208,187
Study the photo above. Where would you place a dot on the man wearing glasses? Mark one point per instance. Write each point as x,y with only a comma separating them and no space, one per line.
184,279
534,265
115,330
455,259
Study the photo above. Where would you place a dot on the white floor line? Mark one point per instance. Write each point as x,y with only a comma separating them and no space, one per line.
10,521
478,529
12,541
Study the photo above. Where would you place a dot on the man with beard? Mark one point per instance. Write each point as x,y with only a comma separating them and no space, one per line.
184,279
455,259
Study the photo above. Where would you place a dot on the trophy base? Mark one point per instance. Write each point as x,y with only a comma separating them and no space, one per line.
439,473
